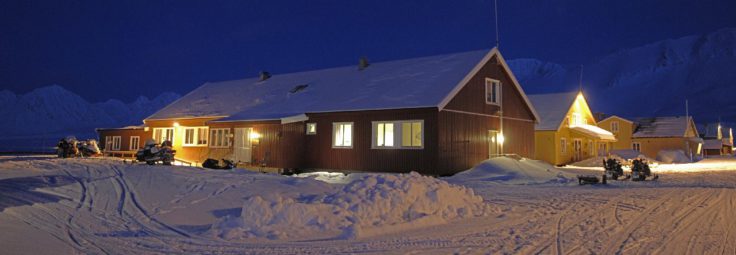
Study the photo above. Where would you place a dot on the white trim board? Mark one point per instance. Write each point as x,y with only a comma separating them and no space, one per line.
476,69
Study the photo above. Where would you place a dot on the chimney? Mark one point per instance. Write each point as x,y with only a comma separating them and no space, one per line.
265,75
363,63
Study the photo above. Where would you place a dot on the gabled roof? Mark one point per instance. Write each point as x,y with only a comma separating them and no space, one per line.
710,130
552,108
663,127
410,83
616,117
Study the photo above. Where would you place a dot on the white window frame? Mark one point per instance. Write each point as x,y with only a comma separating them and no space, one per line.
398,134
108,143
134,146
335,126
195,136
164,133
614,126
496,90
219,138
117,141
636,146
563,145
309,130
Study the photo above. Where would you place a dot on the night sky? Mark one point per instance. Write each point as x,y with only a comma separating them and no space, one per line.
122,49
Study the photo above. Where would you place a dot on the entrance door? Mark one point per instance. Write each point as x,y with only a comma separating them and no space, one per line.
577,148
242,147
493,144
602,149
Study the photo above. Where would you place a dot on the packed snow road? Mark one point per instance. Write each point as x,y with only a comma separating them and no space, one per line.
97,206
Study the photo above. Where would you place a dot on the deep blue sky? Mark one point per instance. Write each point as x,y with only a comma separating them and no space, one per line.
121,49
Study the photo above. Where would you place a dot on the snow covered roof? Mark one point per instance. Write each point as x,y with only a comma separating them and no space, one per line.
410,83
662,127
712,144
615,117
122,128
552,108
594,131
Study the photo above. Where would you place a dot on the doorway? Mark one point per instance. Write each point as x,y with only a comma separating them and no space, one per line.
577,148
494,145
242,146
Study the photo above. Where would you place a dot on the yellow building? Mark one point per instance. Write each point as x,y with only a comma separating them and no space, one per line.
653,135
650,136
567,131
622,128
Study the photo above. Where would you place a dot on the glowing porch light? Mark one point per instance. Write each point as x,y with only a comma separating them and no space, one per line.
254,135
176,124
500,138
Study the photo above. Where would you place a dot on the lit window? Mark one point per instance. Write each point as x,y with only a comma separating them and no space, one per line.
134,142
563,145
342,135
493,91
577,119
220,137
195,136
614,126
311,128
398,134
163,134
385,134
411,134
116,143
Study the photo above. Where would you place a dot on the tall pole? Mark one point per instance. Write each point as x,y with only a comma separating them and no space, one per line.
495,9
580,79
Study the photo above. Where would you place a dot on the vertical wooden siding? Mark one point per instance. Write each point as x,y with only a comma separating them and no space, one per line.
319,153
125,135
464,125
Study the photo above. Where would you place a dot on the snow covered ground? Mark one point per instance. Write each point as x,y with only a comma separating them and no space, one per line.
103,206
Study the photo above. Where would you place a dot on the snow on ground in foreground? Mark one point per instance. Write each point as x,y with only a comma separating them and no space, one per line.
367,206
511,171
92,206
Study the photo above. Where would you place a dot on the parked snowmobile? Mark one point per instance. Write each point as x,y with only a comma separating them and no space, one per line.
89,148
215,164
152,153
613,168
67,147
640,170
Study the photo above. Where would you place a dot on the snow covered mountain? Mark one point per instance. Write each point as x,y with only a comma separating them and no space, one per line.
55,110
651,80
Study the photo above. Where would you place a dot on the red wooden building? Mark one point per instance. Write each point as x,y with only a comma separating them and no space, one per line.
436,115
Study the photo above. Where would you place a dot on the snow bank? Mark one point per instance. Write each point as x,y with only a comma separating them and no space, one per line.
511,171
364,207
672,156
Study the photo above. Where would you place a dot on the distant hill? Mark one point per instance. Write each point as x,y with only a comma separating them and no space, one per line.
45,114
651,80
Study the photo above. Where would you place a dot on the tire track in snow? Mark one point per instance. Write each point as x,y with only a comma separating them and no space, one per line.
132,196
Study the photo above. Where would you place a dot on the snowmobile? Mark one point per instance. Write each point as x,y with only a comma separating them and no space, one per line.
613,168
215,164
640,170
88,148
152,153
67,147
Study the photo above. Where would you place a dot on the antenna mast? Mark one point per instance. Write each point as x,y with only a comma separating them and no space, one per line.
495,9
580,80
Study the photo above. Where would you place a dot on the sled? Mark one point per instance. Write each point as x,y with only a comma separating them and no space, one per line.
590,179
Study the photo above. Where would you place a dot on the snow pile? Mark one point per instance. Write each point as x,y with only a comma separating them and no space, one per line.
364,207
672,156
511,171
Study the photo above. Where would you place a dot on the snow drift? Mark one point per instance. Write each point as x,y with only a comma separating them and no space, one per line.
511,171
672,156
367,206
